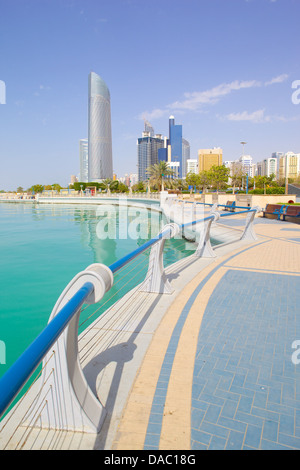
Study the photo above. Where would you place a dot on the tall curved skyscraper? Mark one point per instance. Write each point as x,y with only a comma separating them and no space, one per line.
100,164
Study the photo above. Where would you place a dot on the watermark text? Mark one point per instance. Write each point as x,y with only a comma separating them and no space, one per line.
2,353
2,92
296,94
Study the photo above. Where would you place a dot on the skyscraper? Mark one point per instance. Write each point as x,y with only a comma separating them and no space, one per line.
83,160
147,149
175,142
99,130
147,153
185,156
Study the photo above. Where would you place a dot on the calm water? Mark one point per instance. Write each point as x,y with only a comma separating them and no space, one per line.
42,247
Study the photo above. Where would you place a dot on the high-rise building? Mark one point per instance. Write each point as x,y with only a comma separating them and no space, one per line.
174,150
148,128
83,161
192,165
289,165
185,156
246,161
269,166
210,157
175,145
100,164
147,150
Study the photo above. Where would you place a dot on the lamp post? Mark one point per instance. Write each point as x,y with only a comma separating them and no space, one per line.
243,144
286,175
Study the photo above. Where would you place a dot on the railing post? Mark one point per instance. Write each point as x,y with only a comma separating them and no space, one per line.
67,402
156,280
204,248
249,233
194,210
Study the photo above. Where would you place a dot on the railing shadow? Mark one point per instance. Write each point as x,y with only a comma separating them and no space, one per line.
120,354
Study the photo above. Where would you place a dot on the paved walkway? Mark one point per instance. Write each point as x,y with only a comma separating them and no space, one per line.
218,373
207,367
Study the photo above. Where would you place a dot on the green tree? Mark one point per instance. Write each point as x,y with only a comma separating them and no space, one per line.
78,185
56,187
122,188
205,179
139,187
219,176
193,179
36,188
20,189
158,172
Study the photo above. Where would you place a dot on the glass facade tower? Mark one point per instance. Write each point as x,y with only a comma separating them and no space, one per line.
147,154
83,160
175,141
100,164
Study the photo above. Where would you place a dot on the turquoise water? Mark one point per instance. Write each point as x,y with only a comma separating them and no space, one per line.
42,247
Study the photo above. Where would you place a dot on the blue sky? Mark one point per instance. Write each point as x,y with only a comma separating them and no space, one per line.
223,68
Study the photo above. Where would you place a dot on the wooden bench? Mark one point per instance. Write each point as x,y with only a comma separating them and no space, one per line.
291,211
229,206
274,209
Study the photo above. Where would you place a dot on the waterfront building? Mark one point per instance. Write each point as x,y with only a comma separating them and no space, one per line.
210,157
260,168
289,165
83,160
269,166
246,161
100,165
253,170
192,165
277,155
147,150
175,145
148,128
173,149
74,179
185,156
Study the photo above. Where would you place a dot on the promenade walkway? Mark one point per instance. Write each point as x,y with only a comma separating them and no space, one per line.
219,373
207,367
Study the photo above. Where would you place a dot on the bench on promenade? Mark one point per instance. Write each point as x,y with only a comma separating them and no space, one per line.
229,206
291,211
274,209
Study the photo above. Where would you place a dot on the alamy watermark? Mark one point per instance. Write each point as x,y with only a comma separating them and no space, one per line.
296,94
2,92
2,353
124,221
296,354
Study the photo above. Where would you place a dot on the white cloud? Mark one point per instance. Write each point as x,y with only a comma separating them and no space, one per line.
195,101
279,79
257,116
152,115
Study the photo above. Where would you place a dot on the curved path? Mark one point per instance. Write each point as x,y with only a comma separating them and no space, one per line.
218,373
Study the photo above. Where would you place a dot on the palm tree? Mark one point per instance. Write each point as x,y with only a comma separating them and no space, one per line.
157,173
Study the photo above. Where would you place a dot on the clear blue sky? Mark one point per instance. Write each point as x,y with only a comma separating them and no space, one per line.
223,68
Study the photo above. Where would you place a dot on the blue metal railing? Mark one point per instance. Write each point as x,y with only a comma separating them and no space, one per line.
15,378
18,374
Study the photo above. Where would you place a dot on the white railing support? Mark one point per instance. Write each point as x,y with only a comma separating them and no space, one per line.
156,280
66,402
204,248
249,233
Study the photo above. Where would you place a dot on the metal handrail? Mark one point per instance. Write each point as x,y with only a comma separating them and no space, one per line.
15,378
18,374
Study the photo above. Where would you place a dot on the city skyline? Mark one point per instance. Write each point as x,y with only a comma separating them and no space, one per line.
241,84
